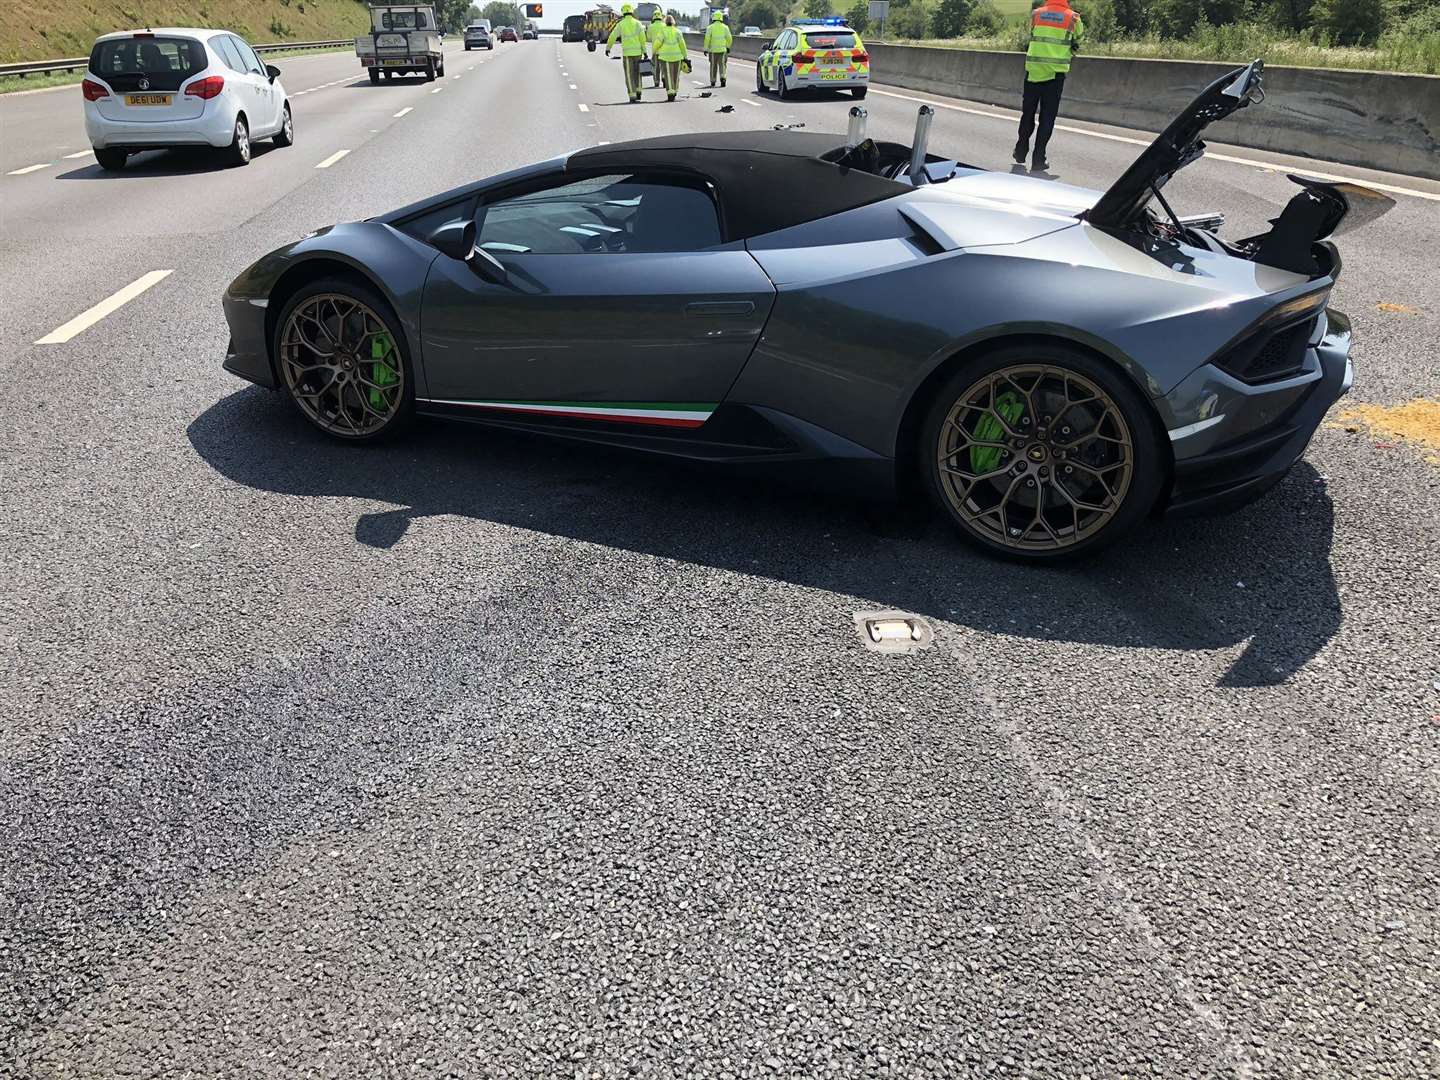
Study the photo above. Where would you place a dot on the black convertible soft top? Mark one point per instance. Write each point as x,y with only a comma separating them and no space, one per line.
766,180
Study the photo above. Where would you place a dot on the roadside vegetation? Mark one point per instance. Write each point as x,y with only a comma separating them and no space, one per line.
1376,35
51,29
72,78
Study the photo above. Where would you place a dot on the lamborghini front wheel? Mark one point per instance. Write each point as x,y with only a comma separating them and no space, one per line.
1042,452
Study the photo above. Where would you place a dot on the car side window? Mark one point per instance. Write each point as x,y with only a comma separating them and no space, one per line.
227,52
247,54
615,214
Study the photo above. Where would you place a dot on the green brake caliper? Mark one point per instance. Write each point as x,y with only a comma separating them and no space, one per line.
1009,405
381,373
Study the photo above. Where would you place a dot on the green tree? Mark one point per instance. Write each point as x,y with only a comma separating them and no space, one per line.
501,14
951,18
759,13
859,16
986,20
1176,18
817,9
1349,22
1099,16
1133,16
911,21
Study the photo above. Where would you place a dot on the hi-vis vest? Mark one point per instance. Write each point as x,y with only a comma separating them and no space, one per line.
1054,30
631,35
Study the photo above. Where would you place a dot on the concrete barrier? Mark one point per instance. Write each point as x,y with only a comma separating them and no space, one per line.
1375,120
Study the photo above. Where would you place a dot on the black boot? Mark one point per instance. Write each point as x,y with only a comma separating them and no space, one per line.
1022,149
1039,164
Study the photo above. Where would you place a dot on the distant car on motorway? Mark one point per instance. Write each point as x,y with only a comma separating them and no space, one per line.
403,40
573,28
845,305
179,88
477,36
750,31
530,34
507,33
814,54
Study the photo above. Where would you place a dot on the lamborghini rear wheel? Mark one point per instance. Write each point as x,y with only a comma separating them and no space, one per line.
1041,452
342,359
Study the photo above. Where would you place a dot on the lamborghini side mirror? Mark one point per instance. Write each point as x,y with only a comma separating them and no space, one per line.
455,238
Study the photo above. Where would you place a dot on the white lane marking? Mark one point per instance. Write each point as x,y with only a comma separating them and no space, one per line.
437,89
1265,166
332,159
603,142
402,112
572,86
470,68
82,153
747,101
29,169
584,107
91,316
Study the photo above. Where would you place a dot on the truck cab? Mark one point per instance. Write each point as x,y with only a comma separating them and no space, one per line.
404,39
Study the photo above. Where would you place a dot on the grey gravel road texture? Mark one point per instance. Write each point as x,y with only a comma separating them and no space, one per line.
481,755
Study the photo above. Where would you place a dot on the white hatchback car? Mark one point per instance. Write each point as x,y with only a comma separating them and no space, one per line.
171,88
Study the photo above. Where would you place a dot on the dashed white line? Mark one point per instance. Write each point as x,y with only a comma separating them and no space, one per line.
82,153
91,316
402,112
29,169
572,86
747,101
437,89
584,107
332,159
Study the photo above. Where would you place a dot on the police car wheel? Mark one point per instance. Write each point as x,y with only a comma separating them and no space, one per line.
342,360
781,88
760,86
859,92
1041,452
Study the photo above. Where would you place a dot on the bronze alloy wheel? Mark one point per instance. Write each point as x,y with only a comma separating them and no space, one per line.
1035,458
342,365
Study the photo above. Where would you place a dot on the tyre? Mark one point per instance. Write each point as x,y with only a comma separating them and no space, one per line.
1041,452
441,72
374,77
238,152
781,89
429,70
467,48
286,135
343,361
111,160
859,93
760,87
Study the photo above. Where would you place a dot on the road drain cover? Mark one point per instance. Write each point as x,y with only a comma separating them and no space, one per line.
893,631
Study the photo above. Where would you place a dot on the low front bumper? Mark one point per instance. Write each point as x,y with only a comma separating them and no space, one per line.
248,354
1238,440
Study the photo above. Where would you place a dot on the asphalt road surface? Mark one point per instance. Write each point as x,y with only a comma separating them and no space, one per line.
485,755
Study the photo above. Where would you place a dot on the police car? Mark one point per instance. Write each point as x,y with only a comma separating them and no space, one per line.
814,54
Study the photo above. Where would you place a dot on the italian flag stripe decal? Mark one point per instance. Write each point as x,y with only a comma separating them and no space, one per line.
657,413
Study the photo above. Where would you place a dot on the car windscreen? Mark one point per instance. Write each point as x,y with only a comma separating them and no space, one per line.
164,63
843,40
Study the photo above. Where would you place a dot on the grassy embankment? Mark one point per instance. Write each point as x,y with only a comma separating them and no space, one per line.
46,29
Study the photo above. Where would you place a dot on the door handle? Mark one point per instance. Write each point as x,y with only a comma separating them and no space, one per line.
701,309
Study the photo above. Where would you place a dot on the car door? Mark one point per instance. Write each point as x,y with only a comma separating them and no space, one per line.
261,110
783,46
617,294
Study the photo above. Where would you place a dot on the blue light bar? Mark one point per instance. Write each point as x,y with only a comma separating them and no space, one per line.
833,20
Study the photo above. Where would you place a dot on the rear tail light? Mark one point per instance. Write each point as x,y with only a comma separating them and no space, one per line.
860,57
142,37
93,91
804,57
206,88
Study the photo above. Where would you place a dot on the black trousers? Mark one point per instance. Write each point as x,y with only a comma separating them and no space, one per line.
1044,96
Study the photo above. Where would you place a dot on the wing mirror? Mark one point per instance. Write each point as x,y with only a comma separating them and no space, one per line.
272,71
457,240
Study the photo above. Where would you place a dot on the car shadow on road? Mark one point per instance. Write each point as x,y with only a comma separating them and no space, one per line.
153,163
1261,576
